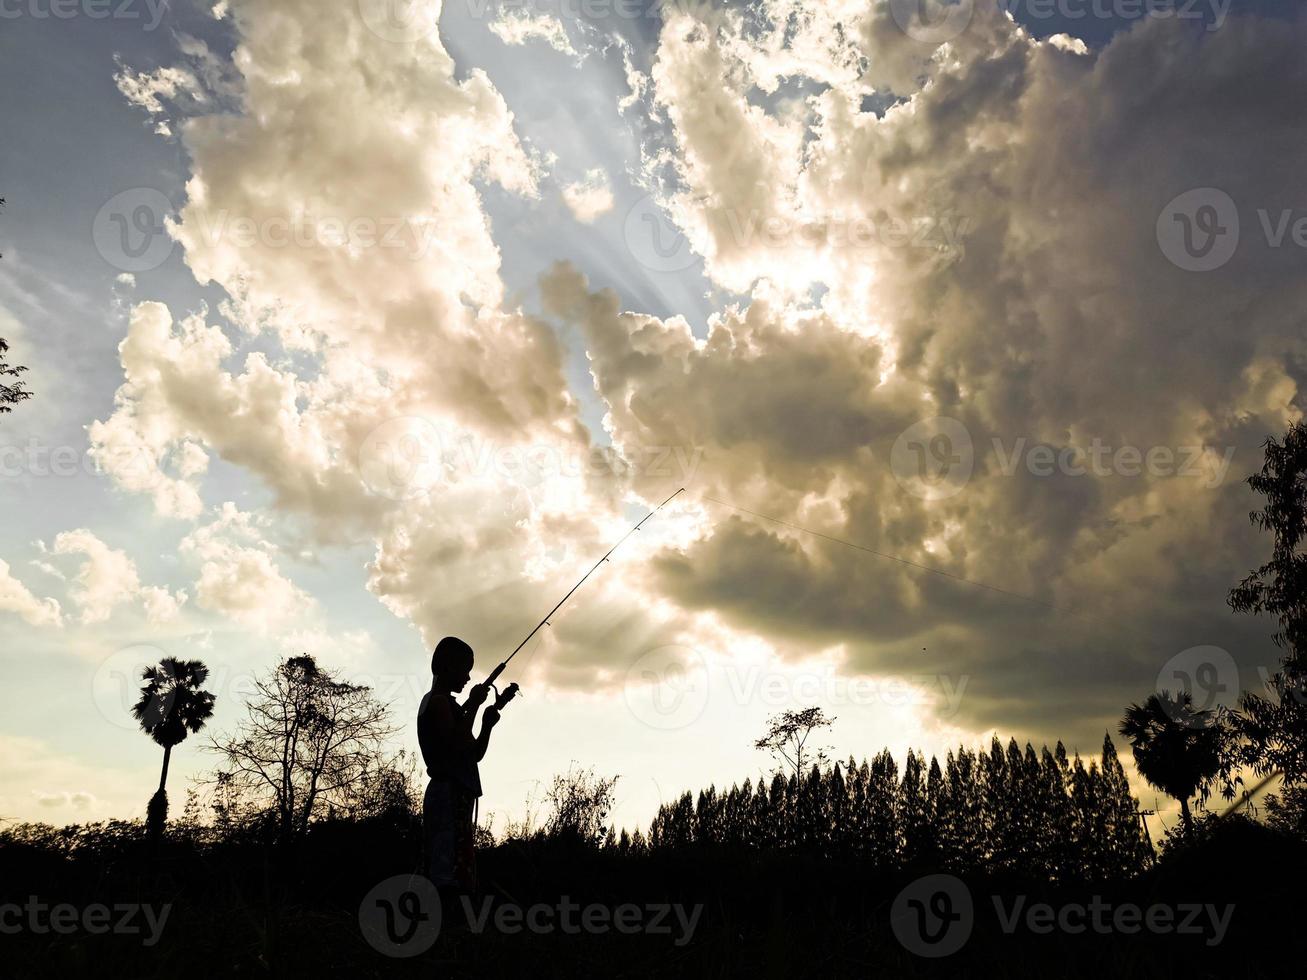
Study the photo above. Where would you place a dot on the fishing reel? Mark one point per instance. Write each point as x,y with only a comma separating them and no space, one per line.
502,698
507,694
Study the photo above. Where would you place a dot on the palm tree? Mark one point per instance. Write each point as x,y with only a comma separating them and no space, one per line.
1177,747
171,706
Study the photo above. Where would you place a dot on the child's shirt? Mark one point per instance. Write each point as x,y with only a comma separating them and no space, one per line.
448,748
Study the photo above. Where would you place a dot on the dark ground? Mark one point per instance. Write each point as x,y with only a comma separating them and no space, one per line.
257,910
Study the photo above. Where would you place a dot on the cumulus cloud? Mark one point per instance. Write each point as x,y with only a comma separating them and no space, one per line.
363,248
239,576
516,27
912,229
18,599
589,198
162,606
985,248
76,800
107,578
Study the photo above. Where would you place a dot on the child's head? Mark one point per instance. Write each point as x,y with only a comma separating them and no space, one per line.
451,664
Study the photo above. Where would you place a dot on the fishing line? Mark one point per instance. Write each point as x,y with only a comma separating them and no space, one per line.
511,691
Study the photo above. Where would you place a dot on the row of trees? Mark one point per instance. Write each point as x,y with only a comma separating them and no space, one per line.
1034,813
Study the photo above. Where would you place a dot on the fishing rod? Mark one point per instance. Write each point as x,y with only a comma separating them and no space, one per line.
511,691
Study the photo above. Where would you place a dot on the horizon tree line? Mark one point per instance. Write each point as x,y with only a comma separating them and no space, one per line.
1008,810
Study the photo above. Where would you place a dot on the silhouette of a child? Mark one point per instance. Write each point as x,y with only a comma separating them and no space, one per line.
451,754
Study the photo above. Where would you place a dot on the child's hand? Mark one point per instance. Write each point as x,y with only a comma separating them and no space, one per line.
477,696
490,718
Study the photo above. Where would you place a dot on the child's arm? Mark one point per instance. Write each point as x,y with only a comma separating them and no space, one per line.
489,719
475,698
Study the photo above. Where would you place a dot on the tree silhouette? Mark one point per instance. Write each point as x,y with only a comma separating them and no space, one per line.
170,707
1276,729
309,739
788,733
1177,748
11,394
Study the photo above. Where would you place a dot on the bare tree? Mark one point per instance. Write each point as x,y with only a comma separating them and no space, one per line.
787,738
309,739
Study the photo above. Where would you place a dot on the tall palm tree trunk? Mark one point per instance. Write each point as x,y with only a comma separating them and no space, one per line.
156,814
1188,819
163,776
